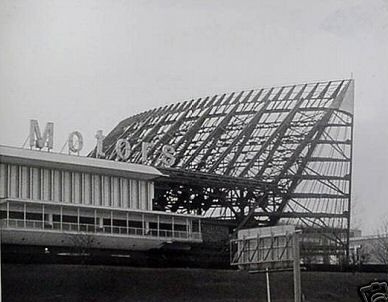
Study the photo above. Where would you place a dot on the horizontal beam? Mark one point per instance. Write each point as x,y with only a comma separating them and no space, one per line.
319,195
329,159
317,177
334,142
300,215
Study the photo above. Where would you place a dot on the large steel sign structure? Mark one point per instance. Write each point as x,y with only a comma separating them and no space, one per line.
260,157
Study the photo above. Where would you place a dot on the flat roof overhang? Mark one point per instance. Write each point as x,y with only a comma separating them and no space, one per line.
54,160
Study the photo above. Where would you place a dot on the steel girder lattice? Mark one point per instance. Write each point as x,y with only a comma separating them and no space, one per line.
269,156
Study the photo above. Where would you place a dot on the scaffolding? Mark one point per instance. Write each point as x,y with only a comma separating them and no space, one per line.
263,157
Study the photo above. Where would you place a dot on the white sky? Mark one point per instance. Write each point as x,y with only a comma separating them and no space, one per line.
88,64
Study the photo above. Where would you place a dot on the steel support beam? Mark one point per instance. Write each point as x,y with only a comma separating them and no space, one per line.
221,128
187,138
210,136
244,134
281,129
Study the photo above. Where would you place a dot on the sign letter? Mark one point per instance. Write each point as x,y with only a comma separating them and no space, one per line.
78,145
123,149
168,157
36,138
144,151
100,138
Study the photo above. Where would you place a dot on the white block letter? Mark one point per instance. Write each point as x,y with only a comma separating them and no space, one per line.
78,144
168,157
100,138
144,151
36,138
123,149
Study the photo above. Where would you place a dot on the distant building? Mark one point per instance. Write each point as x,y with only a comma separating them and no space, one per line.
369,249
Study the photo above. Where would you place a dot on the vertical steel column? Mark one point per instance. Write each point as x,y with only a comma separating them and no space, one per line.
158,225
258,247
95,221
61,218
142,224
7,213
78,219
187,227
127,224
350,194
172,226
42,216
24,214
111,222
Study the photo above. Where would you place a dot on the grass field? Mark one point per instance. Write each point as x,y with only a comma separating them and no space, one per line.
72,283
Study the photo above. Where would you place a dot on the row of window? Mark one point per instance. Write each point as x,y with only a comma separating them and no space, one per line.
36,183
92,221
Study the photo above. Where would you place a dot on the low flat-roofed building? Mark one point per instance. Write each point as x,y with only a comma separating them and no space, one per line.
56,199
371,249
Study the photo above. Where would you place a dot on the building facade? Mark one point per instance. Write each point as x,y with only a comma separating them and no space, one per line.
52,199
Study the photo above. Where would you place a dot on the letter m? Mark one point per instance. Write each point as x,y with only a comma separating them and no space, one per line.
37,139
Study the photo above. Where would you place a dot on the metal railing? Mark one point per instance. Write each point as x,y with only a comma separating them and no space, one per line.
92,228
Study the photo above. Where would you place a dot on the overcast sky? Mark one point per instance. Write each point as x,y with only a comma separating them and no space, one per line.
86,65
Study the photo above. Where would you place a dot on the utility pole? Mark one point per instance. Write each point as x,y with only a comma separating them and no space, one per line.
268,286
297,283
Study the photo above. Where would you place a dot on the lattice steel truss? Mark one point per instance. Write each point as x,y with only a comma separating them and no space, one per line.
260,157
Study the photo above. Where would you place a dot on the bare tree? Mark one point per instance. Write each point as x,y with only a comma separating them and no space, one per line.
82,242
379,248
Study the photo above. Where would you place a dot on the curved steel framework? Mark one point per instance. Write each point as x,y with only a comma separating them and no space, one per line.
261,157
